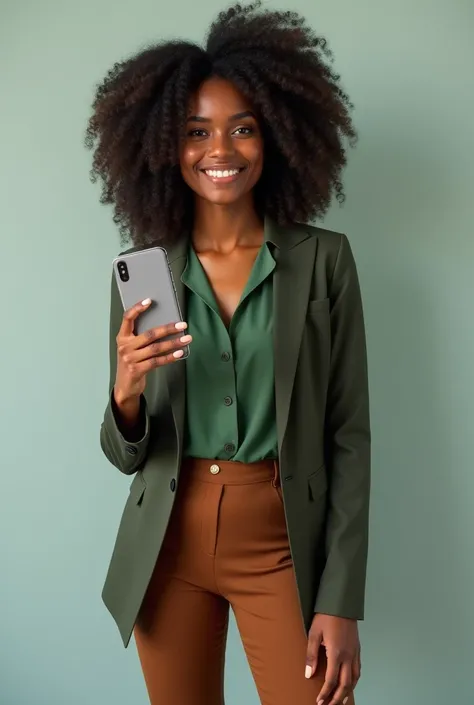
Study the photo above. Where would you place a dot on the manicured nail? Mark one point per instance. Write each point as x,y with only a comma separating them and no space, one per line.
178,353
320,702
345,700
308,672
185,339
145,302
181,325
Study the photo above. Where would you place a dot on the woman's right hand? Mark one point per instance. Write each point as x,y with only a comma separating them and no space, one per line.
138,354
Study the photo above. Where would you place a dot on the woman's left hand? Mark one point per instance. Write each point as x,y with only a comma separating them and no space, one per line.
340,638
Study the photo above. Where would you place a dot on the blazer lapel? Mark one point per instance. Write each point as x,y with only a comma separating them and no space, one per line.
295,254
176,371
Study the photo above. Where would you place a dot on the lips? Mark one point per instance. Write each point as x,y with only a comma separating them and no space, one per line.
222,174
222,170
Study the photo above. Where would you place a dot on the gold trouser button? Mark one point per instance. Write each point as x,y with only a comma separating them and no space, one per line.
214,469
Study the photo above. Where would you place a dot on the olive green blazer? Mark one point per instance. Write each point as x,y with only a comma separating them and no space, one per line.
323,426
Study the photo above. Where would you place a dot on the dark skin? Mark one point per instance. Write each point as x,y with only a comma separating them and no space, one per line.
223,137
221,161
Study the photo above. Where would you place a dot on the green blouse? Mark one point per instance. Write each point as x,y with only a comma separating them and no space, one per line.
230,393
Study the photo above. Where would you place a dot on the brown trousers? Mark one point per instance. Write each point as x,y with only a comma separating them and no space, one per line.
227,544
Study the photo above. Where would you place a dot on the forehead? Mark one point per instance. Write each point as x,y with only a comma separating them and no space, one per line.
217,97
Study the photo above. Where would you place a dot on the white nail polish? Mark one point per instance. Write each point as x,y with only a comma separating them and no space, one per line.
181,325
185,339
308,672
345,700
178,353
145,302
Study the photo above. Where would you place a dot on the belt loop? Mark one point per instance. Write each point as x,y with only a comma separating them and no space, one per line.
276,474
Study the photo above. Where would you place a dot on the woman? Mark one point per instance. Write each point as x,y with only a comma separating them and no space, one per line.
251,457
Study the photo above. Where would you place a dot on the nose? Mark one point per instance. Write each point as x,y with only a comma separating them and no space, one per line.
221,145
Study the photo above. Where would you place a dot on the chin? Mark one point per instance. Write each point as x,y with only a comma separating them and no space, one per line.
222,199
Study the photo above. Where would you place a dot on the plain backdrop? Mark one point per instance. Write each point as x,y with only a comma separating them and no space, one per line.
409,215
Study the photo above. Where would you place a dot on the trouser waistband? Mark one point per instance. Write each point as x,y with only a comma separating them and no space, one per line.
230,472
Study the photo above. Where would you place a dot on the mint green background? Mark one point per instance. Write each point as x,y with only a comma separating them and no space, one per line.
409,215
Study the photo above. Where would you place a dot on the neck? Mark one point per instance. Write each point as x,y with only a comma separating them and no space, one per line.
223,228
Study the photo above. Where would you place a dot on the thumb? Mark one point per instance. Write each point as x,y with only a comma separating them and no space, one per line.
314,643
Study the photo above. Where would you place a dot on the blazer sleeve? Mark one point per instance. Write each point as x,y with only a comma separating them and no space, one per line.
347,444
127,456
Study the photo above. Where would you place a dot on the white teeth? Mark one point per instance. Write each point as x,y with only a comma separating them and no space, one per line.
217,174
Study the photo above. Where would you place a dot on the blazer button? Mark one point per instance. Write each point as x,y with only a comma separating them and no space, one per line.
173,485
228,401
131,450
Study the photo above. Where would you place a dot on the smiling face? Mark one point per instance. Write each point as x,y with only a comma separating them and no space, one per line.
222,153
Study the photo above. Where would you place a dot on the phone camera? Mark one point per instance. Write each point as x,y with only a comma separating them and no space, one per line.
123,271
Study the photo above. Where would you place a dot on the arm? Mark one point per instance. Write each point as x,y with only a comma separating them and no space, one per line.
342,586
125,430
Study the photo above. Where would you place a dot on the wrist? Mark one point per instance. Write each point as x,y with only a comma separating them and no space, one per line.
125,402
127,412
324,615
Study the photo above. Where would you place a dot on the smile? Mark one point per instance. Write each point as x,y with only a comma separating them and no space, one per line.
222,175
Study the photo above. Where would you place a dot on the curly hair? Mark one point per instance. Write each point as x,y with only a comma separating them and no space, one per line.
279,64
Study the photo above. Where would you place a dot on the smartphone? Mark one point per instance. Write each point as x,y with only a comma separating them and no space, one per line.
146,274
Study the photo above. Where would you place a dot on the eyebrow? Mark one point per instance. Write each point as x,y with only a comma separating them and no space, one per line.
233,118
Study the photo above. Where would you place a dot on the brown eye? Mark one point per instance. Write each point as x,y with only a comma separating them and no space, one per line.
244,130
198,133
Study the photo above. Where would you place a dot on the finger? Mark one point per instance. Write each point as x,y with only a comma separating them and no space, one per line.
356,670
129,317
344,687
331,680
153,334
143,367
314,643
154,349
